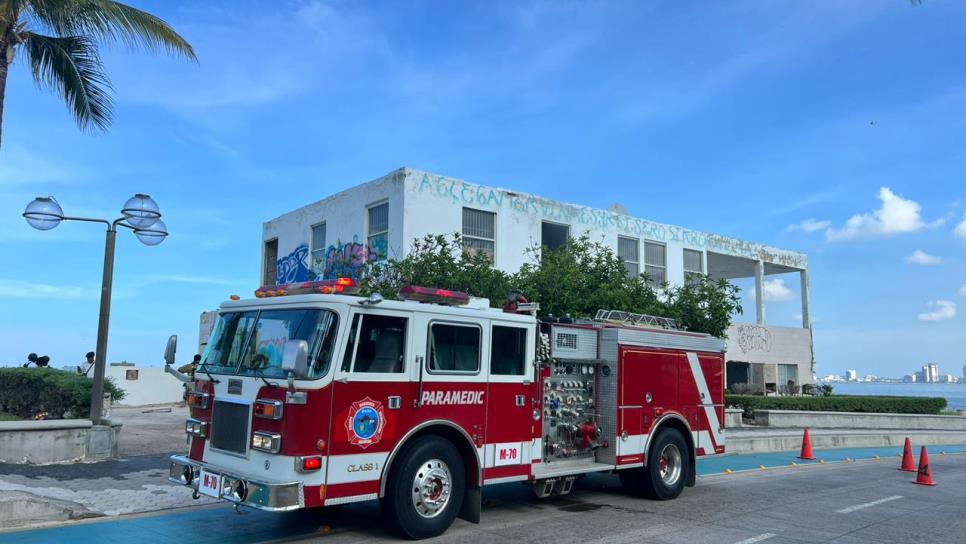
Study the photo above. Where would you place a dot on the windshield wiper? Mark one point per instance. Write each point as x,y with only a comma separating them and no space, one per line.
202,368
258,374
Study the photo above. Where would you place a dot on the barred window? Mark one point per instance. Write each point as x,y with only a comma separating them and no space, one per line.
693,264
379,231
655,262
629,249
318,244
269,273
479,232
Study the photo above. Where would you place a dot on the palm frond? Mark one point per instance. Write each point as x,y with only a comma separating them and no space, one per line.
70,65
108,20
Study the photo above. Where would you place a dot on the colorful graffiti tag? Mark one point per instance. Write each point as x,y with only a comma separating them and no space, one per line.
461,192
293,267
342,260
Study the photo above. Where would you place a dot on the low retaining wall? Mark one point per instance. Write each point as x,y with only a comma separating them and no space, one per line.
857,420
57,441
733,417
764,442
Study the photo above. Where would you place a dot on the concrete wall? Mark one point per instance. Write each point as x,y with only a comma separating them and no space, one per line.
434,204
57,441
146,385
854,420
733,417
422,203
770,344
346,219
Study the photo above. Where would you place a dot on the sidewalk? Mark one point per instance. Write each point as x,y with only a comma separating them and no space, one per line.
31,494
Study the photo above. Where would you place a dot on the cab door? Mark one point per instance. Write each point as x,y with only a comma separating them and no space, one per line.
370,388
509,411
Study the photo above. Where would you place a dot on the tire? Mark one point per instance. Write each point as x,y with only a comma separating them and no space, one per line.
667,470
425,490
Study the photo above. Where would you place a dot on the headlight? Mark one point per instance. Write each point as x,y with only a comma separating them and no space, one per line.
264,441
197,428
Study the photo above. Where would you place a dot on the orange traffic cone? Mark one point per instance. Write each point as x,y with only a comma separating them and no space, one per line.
807,447
908,462
924,474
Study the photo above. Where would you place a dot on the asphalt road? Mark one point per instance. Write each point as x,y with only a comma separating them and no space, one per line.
865,502
850,502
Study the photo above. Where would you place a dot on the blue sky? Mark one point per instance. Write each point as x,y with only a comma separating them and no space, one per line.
832,128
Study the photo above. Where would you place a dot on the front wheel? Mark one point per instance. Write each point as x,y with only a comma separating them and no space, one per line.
425,493
667,469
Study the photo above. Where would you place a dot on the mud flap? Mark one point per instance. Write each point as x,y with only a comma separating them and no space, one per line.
472,504
693,473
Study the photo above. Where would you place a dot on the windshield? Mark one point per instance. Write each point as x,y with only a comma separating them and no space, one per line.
251,343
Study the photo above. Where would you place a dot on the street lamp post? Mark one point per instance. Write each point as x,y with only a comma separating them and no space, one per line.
140,214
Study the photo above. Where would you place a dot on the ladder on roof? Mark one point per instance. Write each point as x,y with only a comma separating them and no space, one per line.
637,320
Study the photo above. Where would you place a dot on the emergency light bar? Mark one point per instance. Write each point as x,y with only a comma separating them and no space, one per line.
429,294
340,286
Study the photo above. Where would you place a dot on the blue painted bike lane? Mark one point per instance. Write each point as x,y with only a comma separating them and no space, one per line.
220,524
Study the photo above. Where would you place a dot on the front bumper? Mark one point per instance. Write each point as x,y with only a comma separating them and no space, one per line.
275,497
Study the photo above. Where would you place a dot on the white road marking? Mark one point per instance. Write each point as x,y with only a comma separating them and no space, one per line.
851,509
759,538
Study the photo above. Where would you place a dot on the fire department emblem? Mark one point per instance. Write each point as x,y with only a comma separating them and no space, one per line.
365,423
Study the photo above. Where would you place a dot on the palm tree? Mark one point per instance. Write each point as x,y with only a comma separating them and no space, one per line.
64,58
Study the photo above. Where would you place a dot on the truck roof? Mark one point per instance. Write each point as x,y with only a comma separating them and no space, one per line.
320,300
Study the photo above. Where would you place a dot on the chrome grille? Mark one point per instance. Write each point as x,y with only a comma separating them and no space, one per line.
229,426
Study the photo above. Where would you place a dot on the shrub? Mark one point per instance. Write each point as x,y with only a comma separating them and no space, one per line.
26,391
838,403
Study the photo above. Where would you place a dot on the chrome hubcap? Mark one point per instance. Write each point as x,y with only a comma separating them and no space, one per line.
670,464
431,488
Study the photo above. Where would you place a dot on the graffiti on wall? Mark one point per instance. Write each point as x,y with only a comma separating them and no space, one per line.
753,338
463,193
343,260
293,267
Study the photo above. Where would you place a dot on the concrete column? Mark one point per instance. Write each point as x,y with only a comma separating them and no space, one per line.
806,318
760,291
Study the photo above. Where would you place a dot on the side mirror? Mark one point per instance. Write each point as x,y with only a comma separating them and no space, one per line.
171,349
295,358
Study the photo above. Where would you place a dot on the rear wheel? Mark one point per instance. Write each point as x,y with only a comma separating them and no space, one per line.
425,491
667,469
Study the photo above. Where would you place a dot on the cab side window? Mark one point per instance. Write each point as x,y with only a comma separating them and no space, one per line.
379,345
508,351
454,348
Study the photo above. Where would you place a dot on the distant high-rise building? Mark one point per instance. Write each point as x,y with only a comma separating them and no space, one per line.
851,375
930,373
911,378
964,373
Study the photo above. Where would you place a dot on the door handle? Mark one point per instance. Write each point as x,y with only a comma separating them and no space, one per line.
521,400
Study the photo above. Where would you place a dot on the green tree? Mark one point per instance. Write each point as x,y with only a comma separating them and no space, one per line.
703,304
60,40
581,277
440,261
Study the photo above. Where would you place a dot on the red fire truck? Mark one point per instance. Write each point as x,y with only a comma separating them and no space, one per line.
309,396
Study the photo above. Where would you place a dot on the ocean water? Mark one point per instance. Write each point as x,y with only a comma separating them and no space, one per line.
955,393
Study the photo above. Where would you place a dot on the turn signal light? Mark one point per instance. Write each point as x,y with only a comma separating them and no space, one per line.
269,409
197,399
308,464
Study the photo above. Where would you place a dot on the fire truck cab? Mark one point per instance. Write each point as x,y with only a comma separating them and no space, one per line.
308,396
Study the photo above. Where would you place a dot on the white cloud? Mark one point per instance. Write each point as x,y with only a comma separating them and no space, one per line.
26,289
896,215
921,257
939,310
810,225
960,231
775,291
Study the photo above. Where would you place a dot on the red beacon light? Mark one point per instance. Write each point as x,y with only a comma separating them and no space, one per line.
339,286
437,296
